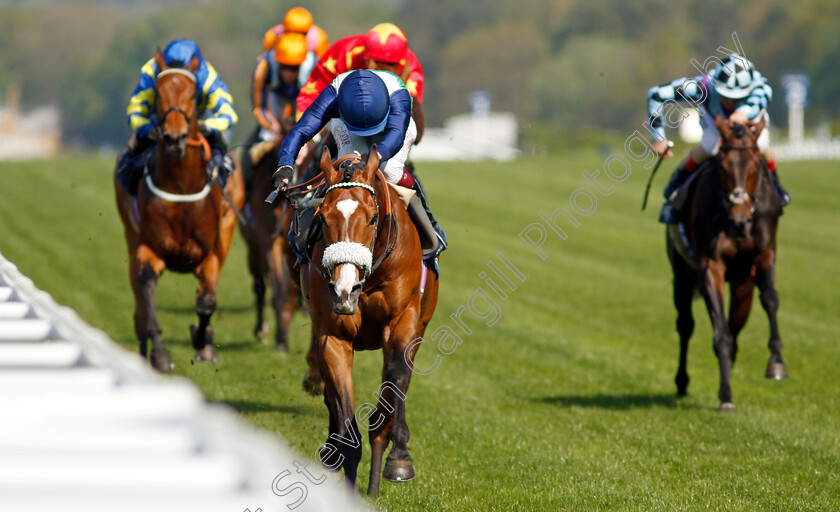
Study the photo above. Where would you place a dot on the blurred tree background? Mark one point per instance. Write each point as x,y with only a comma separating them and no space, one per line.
567,68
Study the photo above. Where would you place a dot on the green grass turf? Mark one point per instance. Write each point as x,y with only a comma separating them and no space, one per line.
568,401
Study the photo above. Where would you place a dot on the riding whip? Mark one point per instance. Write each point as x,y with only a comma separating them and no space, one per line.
653,173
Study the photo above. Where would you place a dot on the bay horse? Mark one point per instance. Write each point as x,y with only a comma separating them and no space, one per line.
269,254
730,219
180,220
368,290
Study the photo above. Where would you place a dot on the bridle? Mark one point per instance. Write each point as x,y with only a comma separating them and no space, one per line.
173,71
200,142
739,195
388,219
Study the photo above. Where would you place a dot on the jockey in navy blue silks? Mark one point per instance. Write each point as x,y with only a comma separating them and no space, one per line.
360,108
215,109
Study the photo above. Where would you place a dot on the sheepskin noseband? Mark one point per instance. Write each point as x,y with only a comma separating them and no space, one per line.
348,252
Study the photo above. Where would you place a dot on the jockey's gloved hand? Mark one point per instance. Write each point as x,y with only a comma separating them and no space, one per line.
283,174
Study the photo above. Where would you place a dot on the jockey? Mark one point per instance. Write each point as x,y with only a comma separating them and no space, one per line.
278,76
735,90
360,108
385,48
215,112
299,20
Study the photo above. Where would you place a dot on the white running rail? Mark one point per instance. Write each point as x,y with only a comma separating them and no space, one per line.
87,426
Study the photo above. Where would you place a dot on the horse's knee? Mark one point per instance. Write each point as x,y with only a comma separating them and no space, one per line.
770,299
147,277
724,345
206,304
685,326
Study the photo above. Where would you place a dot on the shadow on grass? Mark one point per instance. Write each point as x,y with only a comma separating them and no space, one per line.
252,344
189,309
618,402
250,407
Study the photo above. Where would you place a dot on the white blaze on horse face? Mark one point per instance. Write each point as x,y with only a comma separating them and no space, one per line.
347,279
347,207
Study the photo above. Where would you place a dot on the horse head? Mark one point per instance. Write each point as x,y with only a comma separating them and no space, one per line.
742,166
175,105
349,216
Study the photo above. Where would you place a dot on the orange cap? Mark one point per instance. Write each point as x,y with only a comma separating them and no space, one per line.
297,19
290,49
270,37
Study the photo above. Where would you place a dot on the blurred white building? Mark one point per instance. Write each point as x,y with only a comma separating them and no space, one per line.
36,134
478,135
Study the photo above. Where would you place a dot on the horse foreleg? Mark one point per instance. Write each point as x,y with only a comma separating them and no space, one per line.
685,282
313,383
714,272
396,377
205,305
280,277
256,268
766,277
740,303
684,286
344,445
146,268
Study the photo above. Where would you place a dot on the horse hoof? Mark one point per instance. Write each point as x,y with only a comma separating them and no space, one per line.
161,361
261,332
313,386
281,346
323,453
726,407
776,371
197,344
206,354
398,470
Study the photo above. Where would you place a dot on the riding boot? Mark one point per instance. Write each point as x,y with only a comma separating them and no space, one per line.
221,162
423,216
678,177
246,162
781,193
299,234
669,214
131,161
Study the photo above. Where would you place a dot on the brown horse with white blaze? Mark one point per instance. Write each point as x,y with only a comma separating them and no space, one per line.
368,290
730,216
180,220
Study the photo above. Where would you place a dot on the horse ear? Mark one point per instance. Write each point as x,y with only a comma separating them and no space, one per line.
757,127
159,60
193,65
372,163
723,125
326,165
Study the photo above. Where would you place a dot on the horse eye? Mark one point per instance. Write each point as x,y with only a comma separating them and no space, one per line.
373,220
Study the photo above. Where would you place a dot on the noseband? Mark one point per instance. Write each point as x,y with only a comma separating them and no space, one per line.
348,252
